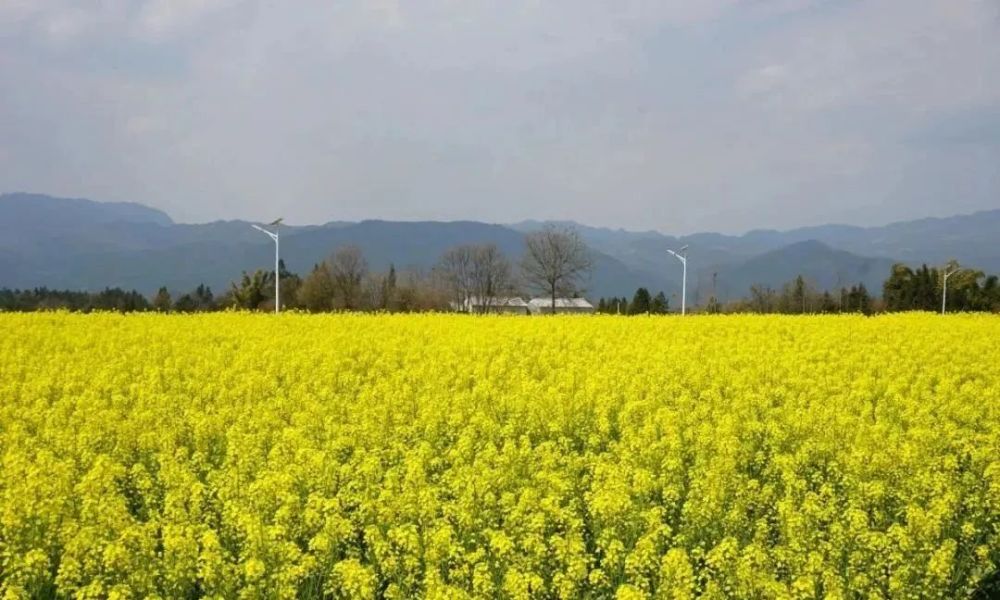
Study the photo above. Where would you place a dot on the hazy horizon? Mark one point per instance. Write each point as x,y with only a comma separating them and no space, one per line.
684,116
293,223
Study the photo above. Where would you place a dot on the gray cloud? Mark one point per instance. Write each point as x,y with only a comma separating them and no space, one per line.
678,115
977,126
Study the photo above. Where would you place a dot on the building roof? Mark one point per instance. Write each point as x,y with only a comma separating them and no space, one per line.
513,301
499,302
560,303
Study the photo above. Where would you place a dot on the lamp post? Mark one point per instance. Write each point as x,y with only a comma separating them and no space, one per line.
277,274
944,289
681,255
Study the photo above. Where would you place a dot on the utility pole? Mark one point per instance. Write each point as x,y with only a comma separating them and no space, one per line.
277,261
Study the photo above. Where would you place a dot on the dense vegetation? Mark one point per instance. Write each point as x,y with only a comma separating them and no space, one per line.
905,289
353,456
920,289
114,299
473,278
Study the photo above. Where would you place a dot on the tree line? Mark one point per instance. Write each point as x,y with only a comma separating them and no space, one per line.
471,277
642,303
794,297
42,298
905,289
801,297
921,289
479,278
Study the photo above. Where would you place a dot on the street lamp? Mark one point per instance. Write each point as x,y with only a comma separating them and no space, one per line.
277,274
944,290
681,255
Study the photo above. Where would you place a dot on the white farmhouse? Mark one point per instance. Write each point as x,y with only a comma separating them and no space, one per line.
543,306
512,305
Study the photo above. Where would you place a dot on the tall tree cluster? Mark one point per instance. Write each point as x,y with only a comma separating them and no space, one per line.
344,281
922,289
200,299
643,303
613,306
799,296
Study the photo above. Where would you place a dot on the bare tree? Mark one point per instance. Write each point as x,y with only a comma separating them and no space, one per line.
762,298
490,276
416,291
556,260
455,269
475,276
348,268
373,292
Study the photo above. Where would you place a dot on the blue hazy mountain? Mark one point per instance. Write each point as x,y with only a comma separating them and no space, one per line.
824,255
82,244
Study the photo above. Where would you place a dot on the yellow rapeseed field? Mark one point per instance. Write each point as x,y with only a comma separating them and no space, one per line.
352,456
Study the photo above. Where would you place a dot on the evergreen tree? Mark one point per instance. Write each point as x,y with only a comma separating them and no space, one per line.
198,300
986,297
389,291
827,304
926,293
799,295
203,297
659,305
186,304
898,290
640,302
162,302
858,300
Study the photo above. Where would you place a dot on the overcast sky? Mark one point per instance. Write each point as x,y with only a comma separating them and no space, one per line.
677,115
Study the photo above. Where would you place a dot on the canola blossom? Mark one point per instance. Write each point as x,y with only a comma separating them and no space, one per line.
446,456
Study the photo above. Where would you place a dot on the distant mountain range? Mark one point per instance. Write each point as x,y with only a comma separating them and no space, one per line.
86,245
